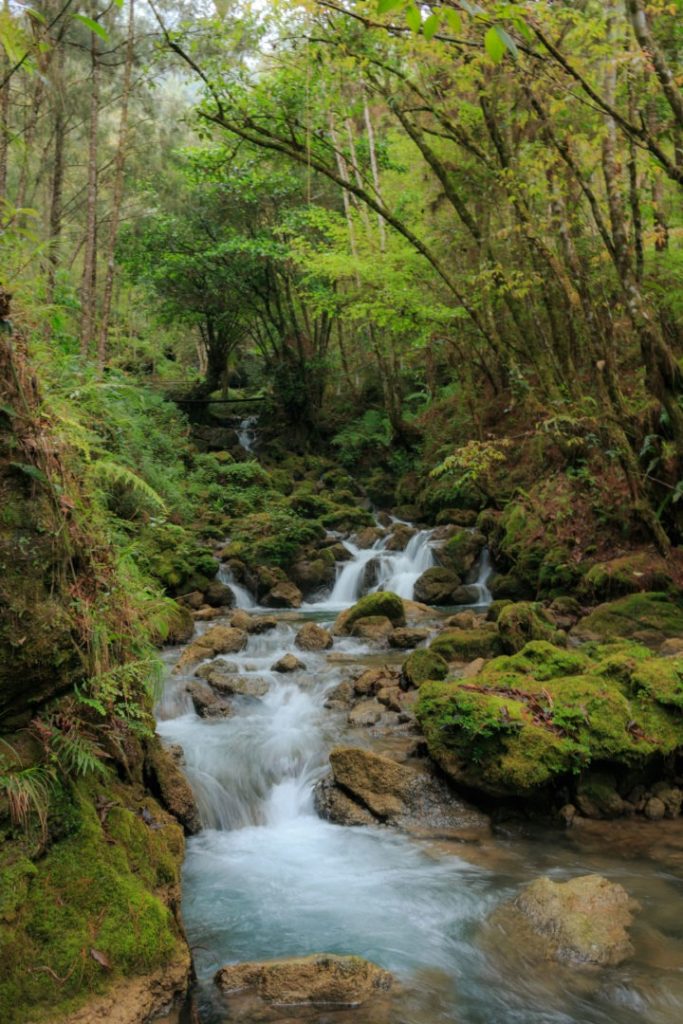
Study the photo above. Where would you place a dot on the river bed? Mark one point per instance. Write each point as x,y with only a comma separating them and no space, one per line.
267,878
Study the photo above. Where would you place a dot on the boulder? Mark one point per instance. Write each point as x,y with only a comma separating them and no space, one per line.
401,534
216,640
261,624
284,594
372,627
193,600
365,714
219,665
436,586
370,682
396,794
422,665
241,619
206,703
466,644
382,603
407,637
635,572
312,637
322,979
313,574
368,537
166,778
181,626
231,685
597,797
583,921
519,623
646,618
461,551
467,594
288,663
219,595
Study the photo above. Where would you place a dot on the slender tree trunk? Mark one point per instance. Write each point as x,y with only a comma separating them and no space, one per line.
89,279
375,173
4,119
57,184
117,198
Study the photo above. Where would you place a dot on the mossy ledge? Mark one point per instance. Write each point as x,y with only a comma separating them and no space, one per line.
530,723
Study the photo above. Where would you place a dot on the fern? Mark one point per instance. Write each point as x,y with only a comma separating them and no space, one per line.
114,474
27,792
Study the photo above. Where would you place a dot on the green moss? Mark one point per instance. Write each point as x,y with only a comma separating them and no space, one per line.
422,665
462,550
174,557
383,603
529,720
628,574
519,623
647,618
466,644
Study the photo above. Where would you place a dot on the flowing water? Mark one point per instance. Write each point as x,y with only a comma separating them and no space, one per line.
267,878
246,433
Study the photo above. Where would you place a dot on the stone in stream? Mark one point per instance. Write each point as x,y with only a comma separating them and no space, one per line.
372,627
288,663
216,640
164,773
312,637
219,595
407,637
206,703
382,603
261,624
437,586
395,794
582,921
323,979
284,594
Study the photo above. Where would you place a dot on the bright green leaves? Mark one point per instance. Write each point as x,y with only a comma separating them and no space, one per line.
497,39
94,26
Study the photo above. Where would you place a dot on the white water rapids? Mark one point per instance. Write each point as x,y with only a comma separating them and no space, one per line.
267,878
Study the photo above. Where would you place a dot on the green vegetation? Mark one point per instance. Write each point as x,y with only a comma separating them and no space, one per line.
538,717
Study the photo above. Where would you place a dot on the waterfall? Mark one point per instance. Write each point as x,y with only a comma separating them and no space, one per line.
243,598
484,572
400,570
246,433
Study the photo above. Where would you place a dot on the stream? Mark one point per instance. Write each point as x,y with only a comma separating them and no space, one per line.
267,878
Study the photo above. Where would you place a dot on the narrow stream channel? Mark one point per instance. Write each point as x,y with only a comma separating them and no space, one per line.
267,878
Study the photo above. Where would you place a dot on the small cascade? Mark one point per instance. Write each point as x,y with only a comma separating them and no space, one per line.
349,585
484,573
243,598
399,571
246,433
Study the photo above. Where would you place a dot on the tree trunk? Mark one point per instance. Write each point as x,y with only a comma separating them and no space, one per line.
89,278
117,198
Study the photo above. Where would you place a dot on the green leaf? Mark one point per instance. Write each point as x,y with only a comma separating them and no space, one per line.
384,6
413,18
454,21
32,471
94,26
430,26
508,41
494,45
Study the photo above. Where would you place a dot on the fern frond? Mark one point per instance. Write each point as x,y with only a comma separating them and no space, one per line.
111,472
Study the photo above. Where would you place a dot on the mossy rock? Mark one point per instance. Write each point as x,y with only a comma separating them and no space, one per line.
105,888
533,720
637,572
519,623
462,550
422,665
383,603
646,618
466,644
174,557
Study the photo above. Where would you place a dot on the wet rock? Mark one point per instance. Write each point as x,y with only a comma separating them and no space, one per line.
339,552
398,795
671,797
655,809
166,778
230,685
466,594
241,619
372,627
261,624
221,665
436,586
370,682
400,537
284,594
342,697
466,644
368,537
415,611
645,618
365,714
567,814
597,797
583,921
520,623
313,574
206,614
408,637
474,668
216,640
312,637
461,550
288,663
463,620
392,697
206,703
321,980
193,600
382,603
219,595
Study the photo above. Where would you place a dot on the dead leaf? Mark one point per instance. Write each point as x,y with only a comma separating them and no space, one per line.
100,958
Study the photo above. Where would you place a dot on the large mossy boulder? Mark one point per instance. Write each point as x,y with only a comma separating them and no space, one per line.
529,722
636,572
383,603
461,551
646,618
465,644
174,557
525,621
